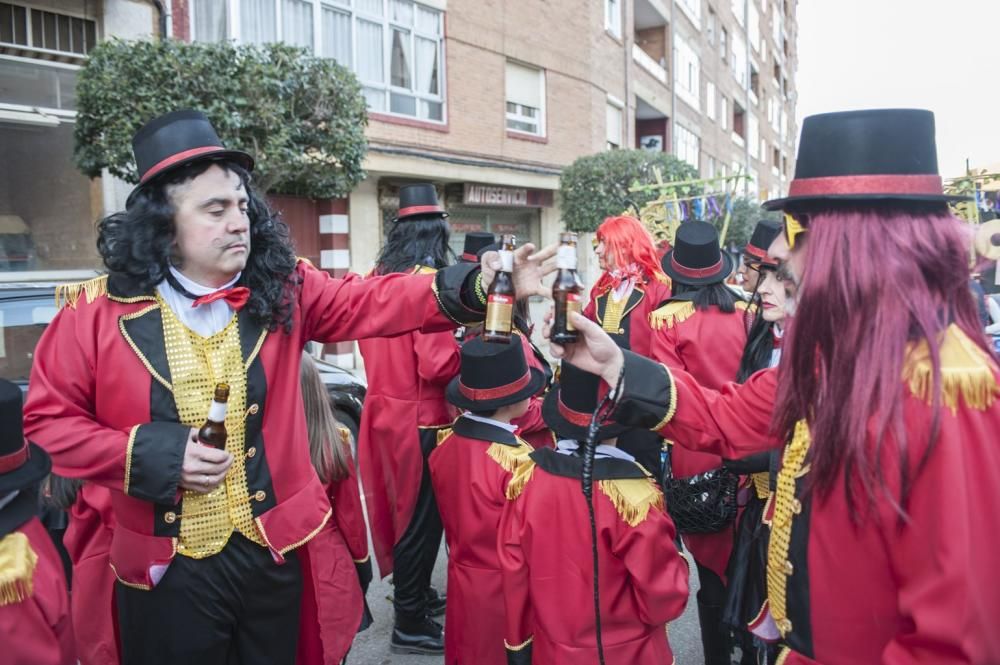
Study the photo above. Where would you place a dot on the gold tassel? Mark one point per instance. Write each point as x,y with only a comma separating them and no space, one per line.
443,434
17,568
966,371
670,314
521,477
69,294
632,498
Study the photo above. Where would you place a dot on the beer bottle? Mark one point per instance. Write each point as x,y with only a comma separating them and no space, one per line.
566,290
500,298
213,432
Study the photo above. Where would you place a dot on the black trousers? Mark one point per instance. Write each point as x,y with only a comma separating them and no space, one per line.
415,553
237,607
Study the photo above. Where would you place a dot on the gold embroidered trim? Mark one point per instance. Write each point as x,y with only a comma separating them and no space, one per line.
443,310
135,348
761,484
128,457
132,299
671,405
256,350
131,585
632,497
365,560
423,270
521,477
670,314
92,289
519,647
309,536
783,656
17,568
445,426
966,371
443,434
786,506
614,312
480,291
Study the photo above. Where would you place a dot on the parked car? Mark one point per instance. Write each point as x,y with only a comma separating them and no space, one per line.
28,305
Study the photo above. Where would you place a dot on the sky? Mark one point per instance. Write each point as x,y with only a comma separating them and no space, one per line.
940,55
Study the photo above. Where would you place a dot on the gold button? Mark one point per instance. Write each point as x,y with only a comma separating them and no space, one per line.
170,517
251,451
260,495
789,569
254,408
785,626
621,331
796,506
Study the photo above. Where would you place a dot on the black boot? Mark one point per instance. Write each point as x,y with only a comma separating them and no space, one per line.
435,602
417,635
714,635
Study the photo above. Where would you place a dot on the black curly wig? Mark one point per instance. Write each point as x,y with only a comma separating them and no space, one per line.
419,241
138,243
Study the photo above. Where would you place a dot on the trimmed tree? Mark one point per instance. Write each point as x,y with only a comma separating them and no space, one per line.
597,186
302,118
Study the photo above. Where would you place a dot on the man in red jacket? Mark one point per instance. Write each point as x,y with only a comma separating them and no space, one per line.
35,623
203,287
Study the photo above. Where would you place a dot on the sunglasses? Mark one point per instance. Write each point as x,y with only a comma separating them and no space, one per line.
795,225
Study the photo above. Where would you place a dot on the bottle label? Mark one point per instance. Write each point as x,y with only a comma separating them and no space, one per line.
507,259
573,304
217,412
499,309
566,257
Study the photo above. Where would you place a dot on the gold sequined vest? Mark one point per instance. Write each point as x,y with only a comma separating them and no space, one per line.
196,364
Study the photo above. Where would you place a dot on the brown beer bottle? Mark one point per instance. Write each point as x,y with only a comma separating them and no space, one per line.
501,296
566,291
213,432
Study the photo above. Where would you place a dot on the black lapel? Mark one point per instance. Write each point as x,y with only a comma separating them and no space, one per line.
252,336
22,508
571,466
473,429
797,590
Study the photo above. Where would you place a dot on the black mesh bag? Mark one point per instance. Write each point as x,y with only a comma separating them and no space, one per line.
703,503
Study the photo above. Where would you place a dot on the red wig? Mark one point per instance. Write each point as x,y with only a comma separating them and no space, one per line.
626,242
876,278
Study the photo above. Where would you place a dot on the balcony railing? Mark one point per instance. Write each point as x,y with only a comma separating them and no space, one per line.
646,61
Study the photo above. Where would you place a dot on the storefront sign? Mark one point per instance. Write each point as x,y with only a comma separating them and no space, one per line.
511,197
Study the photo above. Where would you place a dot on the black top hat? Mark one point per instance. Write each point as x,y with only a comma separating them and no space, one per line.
696,257
876,154
418,201
475,242
493,375
570,405
763,235
178,138
22,464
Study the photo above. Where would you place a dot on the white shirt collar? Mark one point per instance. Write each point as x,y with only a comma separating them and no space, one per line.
570,446
489,421
198,289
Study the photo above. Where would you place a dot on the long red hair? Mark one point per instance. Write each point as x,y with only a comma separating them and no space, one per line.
626,241
876,278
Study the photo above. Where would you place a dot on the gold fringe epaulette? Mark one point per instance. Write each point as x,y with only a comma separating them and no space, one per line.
509,457
632,497
424,270
92,289
966,371
670,314
521,477
443,434
17,568
744,306
302,259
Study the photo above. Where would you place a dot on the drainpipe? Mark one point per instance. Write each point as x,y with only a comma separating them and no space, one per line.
746,96
671,68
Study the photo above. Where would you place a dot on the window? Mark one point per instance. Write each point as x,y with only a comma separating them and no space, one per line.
47,31
739,61
525,99
739,121
613,17
754,81
753,138
776,23
710,99
615,125
686,73
776,158
713,26
687,145
724,44
724,112
753,26
393,46
737,7
710,168
693,10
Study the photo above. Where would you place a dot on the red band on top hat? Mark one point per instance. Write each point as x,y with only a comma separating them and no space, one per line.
419,210
179,157
695,272
574,417
495,393
14,460
929,185
470,257
755,251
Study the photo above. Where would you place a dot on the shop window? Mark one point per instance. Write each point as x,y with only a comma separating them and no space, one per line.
46,31
525,105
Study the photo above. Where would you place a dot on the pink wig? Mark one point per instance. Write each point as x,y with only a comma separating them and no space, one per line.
626,242
876,277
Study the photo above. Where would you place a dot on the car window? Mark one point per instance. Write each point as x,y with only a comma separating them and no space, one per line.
22,323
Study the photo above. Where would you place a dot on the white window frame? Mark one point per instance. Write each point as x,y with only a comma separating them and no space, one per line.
613,17
615,103
350,7
517,116
723,112
687,146
710,100
692,9
687,73
60,11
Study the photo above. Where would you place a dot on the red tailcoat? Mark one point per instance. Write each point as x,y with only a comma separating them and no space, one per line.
407,376
545,552
38,629
708,344
470,470
635,332
100,402
882,590
88,542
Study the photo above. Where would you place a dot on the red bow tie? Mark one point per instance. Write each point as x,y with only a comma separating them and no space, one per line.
236,297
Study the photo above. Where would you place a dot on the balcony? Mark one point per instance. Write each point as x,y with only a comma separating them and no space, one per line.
646,61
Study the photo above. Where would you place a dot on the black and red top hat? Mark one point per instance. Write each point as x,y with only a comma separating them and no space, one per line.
570,405
876,154
493,375
178,138
696,257
763,235
417,201
475,243
22,465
